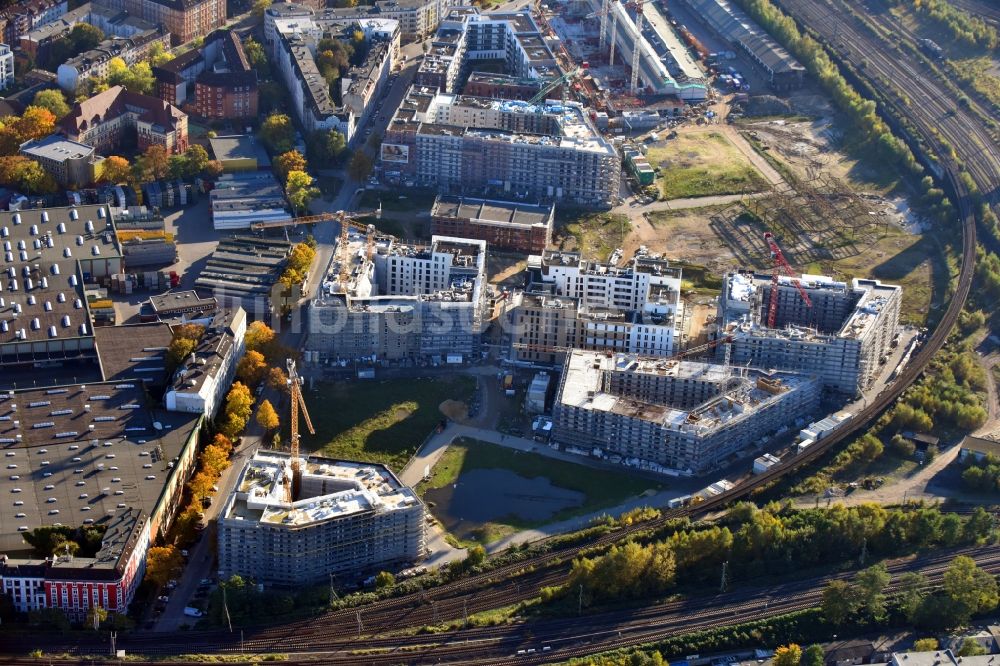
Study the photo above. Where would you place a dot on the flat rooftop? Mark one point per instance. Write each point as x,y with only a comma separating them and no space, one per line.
488,211
83,453
134,351
56,148
330,489
41,293
188,301
237,147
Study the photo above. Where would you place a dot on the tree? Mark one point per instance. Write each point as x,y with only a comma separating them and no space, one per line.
162,563
969,589
251,368
95,616
277,133
185,341
153,164
475,556
384,579
911,594
267,418
277,380
301,257
83,37
239,406
115,170
213,169
158,55
787,655
871,584
839,601
53,100
258,337
813,656
214,459
197,159
971,648
925,645
25,174
223,443
360,166
201,484
287,162
299,189
137,78
259,7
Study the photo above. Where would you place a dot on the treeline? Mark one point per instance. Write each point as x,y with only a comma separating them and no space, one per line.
961,26
873,131
756,542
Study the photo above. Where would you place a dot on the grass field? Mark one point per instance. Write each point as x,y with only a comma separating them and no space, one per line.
596,235
381,422
601,488
419,200
703,164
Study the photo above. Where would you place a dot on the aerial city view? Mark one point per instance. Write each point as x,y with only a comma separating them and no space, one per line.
583,332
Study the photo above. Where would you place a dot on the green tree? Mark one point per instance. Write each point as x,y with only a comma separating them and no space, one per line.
197,160
384,579
277,133
787,655
83,37
475,556
360,166
299,190
969,589
840,601
158,55
912,590
925,645
971,648
53,100
259,7
871,584
813,656
137,78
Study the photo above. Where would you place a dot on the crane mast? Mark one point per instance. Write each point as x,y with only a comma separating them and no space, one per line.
636,47
780,262
297,403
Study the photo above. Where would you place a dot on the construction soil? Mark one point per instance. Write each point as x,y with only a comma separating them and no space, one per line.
454,410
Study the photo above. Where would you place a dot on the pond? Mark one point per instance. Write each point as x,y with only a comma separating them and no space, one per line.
491,495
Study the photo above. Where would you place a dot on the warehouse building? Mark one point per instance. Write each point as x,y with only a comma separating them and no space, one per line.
405,303
243,271
504,225
49,255
505,148
782,71
94,454
680,415
842,338
574,303
240,199
350,519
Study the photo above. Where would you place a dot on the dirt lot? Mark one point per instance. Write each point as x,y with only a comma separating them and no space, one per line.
703,163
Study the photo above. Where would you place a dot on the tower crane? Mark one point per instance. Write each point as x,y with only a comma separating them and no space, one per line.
780,262
636,47
553,84
297,403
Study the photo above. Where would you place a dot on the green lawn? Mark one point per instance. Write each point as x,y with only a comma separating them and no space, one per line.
595,235
703,164
417,200
381,422
602,488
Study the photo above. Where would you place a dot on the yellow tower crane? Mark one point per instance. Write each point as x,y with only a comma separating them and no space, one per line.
297,403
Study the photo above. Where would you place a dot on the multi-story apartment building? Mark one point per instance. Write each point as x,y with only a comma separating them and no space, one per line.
504,225
214,81
466,36
590,305
456,144
293,50
112,22
93,453
185,20
678,415
349,519
24,16
407,302
6,67
95,62
70,163
107,118
201,382
842,338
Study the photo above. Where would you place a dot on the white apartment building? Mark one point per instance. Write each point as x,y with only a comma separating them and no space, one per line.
201,383
6,67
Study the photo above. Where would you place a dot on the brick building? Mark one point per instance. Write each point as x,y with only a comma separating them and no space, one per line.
183,19
116,115
504,225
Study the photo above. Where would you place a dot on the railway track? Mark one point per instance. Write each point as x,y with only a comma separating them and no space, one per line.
565,637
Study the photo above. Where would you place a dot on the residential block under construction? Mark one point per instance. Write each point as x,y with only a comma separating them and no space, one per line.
348,519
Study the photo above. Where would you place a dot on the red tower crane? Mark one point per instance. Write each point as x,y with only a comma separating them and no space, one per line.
780,261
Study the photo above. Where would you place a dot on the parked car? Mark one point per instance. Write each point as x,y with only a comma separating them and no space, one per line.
192,612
